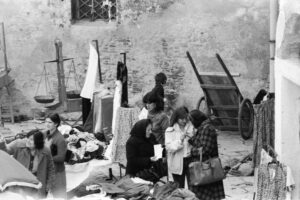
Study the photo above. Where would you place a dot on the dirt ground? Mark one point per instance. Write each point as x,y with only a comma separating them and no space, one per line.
231,147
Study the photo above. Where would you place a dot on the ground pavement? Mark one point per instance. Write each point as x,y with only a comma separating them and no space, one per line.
231,148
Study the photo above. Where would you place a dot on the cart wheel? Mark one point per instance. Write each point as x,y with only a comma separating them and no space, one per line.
202,106
245,119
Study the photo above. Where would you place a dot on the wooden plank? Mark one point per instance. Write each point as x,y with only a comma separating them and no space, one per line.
218,87
214,74
225,107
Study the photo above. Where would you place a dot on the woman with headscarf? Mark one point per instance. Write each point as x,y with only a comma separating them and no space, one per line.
205,137
139,149
33,155
58,147
177,146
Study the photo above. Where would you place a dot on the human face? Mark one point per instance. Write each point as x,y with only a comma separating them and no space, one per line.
151,106
50,125
182,122
29,142
148,130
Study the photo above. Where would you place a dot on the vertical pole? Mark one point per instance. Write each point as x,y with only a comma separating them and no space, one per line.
124,58
4,48
61,74
274,9
99,64
6,70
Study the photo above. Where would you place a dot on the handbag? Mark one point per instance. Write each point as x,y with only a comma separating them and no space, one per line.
203,173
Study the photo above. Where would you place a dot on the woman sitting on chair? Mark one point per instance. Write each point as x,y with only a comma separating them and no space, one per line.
139,148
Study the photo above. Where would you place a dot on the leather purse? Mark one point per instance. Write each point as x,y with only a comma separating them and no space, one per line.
203,173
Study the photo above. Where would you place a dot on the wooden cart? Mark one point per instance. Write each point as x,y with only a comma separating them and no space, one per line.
224,101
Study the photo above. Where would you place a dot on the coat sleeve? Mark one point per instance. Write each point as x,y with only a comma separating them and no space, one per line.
172,145
204,138
50,172
13,146
132,155
61,151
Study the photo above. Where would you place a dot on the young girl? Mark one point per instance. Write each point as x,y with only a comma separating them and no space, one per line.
177,146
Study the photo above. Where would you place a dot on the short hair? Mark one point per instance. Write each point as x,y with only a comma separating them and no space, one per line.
179,113
38,140
54,118
152,97
197,117
160,78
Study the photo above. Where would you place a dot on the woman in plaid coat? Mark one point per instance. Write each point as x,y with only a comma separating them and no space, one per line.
206,138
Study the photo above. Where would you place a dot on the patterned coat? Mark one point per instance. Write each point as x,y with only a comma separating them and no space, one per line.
206,137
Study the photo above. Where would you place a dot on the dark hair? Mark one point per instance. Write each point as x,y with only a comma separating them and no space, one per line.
38,140
179,113
32,132
152,97
197,117
54,118
160,78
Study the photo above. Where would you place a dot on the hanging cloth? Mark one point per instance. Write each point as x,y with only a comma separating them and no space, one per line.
90,82
122,75
117,103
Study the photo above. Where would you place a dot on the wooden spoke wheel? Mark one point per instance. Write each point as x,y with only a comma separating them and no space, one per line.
246,119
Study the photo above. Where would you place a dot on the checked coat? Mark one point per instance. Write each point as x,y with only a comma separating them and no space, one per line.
206,137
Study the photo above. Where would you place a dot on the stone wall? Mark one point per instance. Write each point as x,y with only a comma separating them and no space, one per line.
155,33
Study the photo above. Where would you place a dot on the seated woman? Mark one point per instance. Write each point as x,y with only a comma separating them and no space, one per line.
37,158
139,149
177,146
205,137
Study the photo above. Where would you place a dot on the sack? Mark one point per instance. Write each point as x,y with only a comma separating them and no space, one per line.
203,173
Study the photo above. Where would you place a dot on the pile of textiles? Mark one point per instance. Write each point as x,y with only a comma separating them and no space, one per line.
126,188
84,146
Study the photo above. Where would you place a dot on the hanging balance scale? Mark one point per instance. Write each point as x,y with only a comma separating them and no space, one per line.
48,97
69,101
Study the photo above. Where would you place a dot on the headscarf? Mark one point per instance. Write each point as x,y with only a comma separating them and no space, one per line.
197,117
139,128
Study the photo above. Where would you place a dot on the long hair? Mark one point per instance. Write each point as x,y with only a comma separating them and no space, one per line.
151,97
38,140
179,113
54,118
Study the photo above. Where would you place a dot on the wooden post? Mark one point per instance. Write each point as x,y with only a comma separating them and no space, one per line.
99,64
6,70
274,9
61,74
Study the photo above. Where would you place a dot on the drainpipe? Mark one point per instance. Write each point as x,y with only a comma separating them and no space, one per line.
274,10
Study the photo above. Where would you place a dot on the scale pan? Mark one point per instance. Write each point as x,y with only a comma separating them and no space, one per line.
44,98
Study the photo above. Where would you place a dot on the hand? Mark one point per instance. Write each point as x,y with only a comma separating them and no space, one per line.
153,159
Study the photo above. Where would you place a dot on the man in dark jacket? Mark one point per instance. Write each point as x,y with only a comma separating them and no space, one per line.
139,149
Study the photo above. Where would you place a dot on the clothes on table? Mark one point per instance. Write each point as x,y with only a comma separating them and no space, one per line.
126,118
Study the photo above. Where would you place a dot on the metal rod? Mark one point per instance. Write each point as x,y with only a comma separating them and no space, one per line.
4,48
99,64
229,75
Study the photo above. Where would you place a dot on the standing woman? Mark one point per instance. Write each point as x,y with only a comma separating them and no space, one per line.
177,146
205,137
58,146
160,120
33,155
